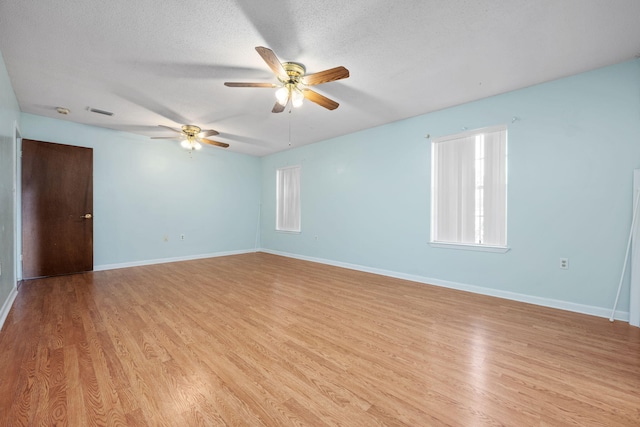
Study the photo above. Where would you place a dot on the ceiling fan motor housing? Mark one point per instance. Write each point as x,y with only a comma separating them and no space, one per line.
191,130
294,70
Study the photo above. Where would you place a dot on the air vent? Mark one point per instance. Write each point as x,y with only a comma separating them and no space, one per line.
97,111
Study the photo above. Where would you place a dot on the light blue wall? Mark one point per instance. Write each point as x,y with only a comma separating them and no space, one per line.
9,116
366,196
147,189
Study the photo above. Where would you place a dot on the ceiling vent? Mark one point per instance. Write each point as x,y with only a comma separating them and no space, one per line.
97,111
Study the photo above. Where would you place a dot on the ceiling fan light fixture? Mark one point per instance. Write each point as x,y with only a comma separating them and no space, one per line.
282,95
190,144
296,97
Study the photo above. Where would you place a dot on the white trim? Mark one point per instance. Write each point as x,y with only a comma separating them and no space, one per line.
104,267
6,307
17,198
529,299
466,247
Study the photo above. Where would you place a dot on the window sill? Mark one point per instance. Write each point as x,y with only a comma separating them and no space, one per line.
288,231
468,247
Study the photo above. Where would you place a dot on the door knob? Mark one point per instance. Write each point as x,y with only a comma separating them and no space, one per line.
86,216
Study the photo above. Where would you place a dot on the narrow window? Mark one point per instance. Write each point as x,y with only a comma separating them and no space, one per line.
288,199
469,188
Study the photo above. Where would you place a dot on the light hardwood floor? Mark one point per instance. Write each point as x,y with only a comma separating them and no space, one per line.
259,339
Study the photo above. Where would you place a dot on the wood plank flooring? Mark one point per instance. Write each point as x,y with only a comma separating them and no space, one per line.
257,339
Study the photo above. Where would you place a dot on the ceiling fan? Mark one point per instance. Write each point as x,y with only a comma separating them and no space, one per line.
294,81
192,137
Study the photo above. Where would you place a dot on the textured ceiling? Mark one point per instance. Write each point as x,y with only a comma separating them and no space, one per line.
155,62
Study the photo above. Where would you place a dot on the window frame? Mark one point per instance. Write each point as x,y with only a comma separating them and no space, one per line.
279,172
475,246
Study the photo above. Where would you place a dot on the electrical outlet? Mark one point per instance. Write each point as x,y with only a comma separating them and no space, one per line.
182,237
564,263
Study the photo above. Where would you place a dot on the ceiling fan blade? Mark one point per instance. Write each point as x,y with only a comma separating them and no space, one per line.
212,142
325,76
278,108
177,138
209,132
170,128
321,100
234,84
272,61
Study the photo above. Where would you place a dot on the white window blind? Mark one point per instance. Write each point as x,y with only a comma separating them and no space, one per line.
288,199
469,188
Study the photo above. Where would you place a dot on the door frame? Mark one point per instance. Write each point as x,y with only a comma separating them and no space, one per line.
17,202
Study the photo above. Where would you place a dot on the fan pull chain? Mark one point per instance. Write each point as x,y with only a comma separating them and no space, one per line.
289,127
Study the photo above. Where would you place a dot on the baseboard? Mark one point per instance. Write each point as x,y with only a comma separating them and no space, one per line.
530,299
104,267
6,307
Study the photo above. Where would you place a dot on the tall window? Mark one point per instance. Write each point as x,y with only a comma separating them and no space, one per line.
288,199
469,188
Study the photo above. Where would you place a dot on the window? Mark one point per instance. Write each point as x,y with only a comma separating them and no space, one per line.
469,188
288,199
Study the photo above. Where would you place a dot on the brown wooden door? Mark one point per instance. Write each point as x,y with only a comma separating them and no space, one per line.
57,204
